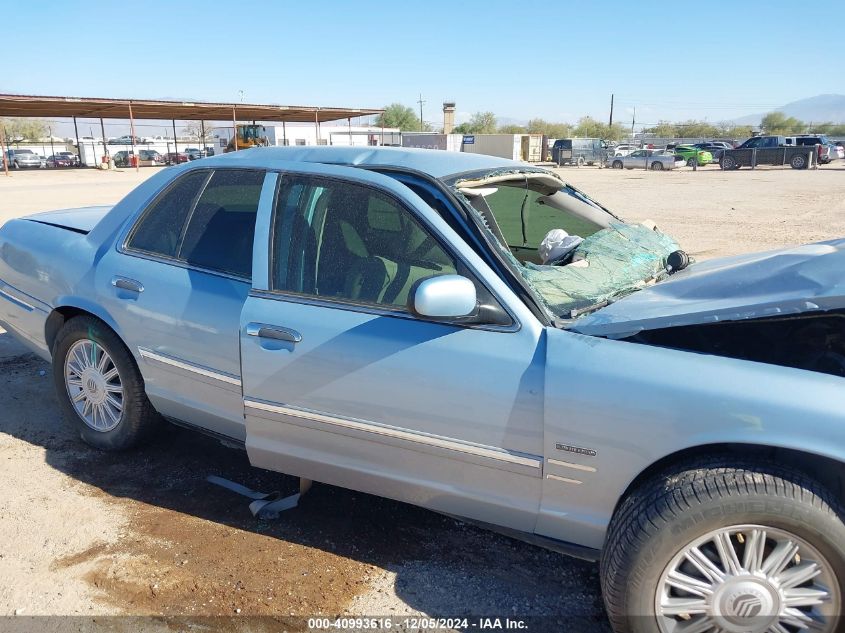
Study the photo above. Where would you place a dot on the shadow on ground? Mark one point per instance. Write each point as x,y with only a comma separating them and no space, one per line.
194,549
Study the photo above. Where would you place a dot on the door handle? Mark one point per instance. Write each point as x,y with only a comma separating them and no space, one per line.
124,283
275,332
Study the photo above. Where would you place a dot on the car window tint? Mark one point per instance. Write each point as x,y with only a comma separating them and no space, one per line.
160,227
346,241
222,227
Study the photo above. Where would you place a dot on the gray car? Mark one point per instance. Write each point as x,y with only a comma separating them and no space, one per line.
393,321
656,160
22,158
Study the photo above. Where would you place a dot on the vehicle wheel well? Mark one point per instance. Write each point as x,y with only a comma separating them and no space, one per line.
827,471
58,318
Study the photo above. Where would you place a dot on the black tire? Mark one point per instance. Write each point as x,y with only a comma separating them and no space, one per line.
657,166
728,162
138,418
617,164
16,165
580,161
690,162
799,161
669,512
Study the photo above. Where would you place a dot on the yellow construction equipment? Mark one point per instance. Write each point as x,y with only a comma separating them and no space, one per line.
249,135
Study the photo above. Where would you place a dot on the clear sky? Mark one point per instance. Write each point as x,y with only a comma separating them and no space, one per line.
713,59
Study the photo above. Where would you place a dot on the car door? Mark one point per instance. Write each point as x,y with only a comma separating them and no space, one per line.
343,385
636,159
176,287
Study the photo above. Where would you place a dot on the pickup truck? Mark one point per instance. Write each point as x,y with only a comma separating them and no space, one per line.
769,150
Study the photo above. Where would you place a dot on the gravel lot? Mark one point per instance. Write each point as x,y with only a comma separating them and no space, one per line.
85,533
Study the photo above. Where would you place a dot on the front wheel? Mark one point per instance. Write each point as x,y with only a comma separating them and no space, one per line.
729,162
690,162
99,386
617,164
657,166
720,547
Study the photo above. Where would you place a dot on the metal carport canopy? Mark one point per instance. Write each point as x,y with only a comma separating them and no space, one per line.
87,107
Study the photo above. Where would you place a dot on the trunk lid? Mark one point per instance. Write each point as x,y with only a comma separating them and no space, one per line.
81,220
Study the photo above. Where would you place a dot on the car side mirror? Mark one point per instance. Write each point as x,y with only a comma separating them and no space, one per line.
444,297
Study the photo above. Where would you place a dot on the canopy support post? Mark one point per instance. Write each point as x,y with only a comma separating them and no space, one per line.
132,128
78,147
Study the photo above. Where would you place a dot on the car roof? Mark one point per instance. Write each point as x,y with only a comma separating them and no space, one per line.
437,163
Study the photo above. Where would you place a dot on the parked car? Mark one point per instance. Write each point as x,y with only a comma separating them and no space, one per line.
622,149
22,158
396,331
768,150
174,158
150,157
56,160
194,153
73,158
579,151
121,158
690,154
654,159
716,149
840,150
824,148
128,140
147,158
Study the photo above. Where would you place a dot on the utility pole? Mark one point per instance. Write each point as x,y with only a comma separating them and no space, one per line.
633,120
421,102
610,122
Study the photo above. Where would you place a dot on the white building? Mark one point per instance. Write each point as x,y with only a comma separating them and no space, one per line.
325,134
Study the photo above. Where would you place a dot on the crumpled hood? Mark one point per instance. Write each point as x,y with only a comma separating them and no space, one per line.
82,219
781,282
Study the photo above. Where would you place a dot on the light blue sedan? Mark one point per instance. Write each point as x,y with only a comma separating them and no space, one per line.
473,336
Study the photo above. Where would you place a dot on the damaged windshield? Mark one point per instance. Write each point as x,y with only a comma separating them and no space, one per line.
573,253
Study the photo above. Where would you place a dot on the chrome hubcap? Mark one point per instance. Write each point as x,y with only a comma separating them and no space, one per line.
748,579
94,386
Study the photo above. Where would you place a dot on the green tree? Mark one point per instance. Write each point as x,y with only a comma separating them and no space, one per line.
728,130
512,129
663,129
403,117
588,127
479,123
24,129
779,123
552,130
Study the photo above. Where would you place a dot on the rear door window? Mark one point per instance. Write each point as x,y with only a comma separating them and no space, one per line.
221,228
160,228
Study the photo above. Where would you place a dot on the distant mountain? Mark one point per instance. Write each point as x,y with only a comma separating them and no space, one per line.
819,109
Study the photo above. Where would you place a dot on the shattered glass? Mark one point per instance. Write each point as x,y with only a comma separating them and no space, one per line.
620,259
609,264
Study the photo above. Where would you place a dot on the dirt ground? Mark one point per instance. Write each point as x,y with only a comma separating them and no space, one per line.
84,533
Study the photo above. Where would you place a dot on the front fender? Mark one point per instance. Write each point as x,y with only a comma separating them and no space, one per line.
632,404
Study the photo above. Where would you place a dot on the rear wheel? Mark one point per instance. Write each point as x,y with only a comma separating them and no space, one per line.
657,166
617,164
799,161
720,547
690,162
99,387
